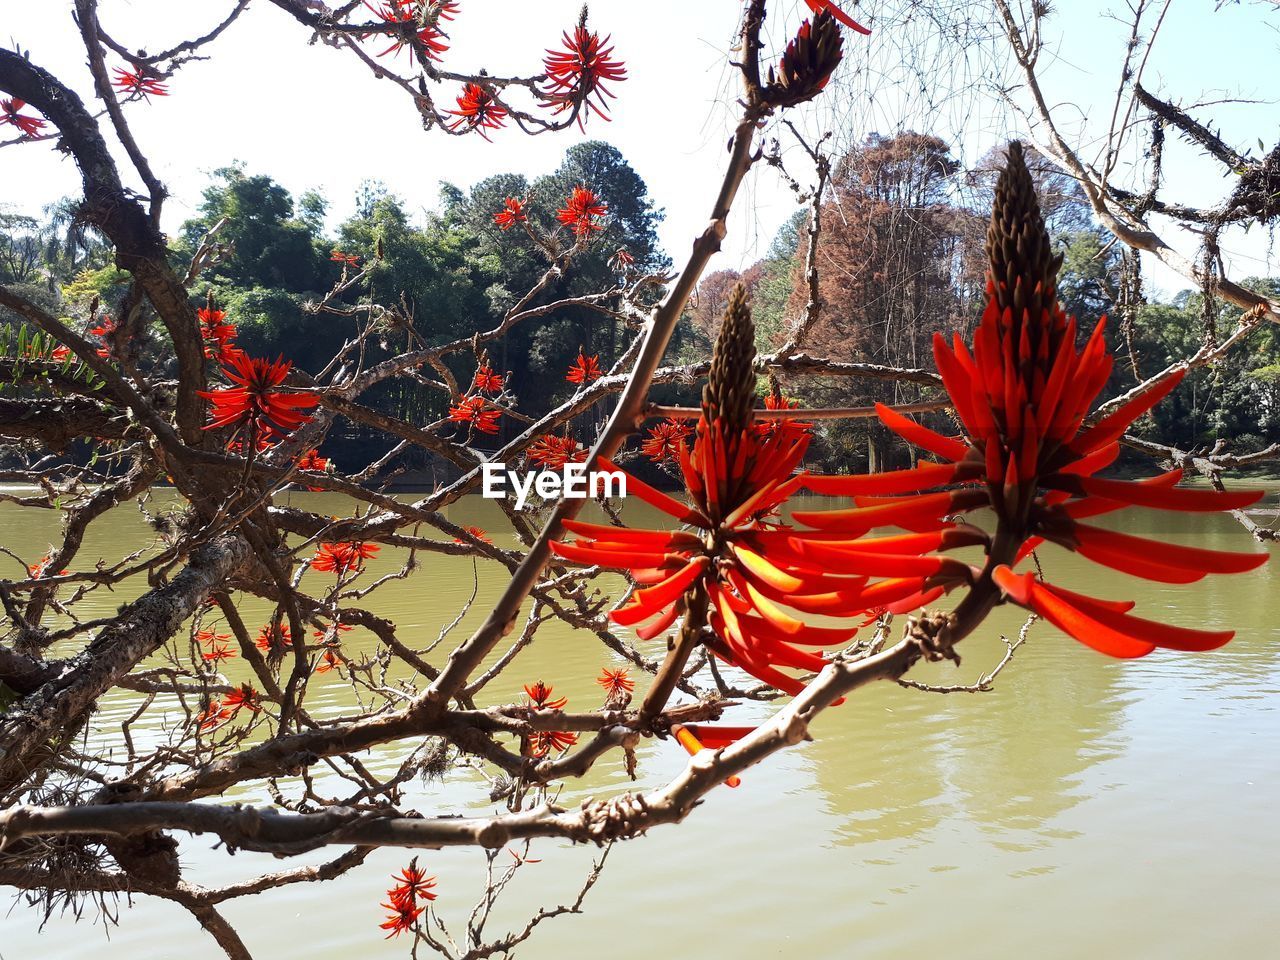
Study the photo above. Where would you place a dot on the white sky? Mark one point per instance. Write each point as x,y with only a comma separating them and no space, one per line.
313,117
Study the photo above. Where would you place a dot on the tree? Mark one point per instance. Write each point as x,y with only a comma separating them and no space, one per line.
167,385
891,266
274,249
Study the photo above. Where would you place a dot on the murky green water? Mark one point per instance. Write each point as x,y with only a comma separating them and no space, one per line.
1086,807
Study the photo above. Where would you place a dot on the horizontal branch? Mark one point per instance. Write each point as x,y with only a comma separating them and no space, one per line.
797,413
619,817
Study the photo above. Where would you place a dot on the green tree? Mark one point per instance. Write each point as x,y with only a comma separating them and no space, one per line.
275,247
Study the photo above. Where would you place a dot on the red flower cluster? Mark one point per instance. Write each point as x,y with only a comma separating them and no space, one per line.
512,212
582,210
773,402
741,565
539,695
585,369
139,83
219,336
475,532
615,682
475,410
311,460
219,651
330,660
10,112
736,482
666,441
255,402
1022,395
411,886
478,110
213,715
543,742
622,260
579,70
218,712
243,697
487,381
343,558
105,329
274,638
554,452
429,38
40,568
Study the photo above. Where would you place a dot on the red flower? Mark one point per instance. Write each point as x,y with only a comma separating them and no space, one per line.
274,638
1022,396
477,110
9,113
140,84
429,39
554,452
255,402
475,411
740,565
208,636
487,380
581,210
412,885
818,6
60,353
218,336
772,402
543,742
578,71
666,440
615,682
244,697
40,568
512,212
218,652
105,329
311,460
331,660
622,260
585,369
214,714
343,558
539,695
475,532
402,916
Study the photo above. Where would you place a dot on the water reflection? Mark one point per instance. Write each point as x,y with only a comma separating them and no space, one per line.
1129,795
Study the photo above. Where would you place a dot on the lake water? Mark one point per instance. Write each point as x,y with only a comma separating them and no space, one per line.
1086,807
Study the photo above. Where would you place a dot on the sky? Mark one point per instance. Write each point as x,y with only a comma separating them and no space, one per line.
314,117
